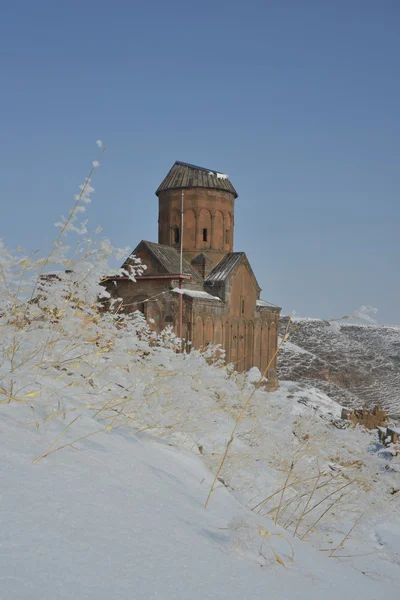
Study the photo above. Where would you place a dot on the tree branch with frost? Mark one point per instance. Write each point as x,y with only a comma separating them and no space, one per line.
84,196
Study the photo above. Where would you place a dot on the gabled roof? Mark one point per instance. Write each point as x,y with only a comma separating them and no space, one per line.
169,259
183,175
197,294
200,259
226,266
265,304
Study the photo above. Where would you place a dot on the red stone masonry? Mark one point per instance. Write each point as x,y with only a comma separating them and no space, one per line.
221,296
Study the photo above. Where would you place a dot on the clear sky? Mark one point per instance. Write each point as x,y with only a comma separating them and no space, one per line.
297,100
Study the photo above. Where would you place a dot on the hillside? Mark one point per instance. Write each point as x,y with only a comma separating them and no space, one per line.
122,515
355,364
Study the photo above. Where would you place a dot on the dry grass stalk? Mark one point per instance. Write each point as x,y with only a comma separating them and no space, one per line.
266,500
307,503
283,492
48,451
67,222
266,535
83,437
328,496
242,412
321,516
345,537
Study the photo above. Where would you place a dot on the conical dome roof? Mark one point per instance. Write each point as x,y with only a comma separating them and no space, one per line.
183,175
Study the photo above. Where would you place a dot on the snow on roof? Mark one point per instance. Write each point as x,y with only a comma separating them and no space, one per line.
265,304
184,175
225,266
219,175
196,294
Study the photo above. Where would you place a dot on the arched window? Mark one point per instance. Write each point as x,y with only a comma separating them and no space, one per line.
177,236
228,230
204,227
142,307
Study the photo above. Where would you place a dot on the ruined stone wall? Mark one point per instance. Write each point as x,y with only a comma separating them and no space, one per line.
369,418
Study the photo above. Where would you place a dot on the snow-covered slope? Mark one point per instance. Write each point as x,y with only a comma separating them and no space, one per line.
123,517
355,364
121,514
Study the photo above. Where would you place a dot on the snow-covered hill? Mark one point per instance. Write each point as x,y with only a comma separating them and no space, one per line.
355,364
121,515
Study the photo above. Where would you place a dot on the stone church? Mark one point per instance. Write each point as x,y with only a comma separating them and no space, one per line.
194,281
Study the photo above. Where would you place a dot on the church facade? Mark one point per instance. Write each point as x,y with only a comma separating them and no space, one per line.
194,281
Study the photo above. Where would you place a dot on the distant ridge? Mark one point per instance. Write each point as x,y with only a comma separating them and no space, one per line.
356,365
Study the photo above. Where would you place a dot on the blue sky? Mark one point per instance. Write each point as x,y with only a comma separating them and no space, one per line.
298,101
